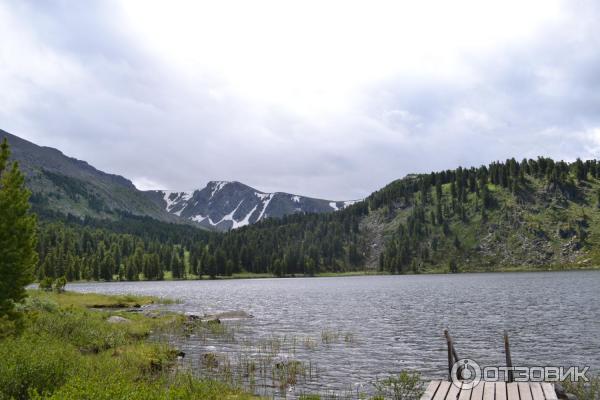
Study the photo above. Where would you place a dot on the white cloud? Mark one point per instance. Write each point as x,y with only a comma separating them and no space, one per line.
330,99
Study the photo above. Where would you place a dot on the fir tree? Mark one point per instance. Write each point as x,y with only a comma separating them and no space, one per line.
18,238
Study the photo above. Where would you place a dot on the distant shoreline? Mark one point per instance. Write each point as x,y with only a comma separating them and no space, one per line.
240,276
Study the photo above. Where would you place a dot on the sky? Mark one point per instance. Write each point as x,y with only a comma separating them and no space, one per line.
330,99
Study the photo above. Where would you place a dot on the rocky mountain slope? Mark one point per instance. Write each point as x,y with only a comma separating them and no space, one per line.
226,205
65,185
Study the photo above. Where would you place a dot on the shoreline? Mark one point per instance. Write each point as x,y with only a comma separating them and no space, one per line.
242,276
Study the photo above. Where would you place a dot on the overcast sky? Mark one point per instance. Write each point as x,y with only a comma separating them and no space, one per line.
332,99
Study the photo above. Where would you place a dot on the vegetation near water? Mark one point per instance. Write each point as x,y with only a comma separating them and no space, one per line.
69,351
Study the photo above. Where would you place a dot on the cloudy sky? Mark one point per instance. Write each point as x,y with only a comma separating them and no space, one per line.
332,99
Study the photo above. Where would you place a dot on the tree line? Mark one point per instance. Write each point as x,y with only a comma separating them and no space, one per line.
132,248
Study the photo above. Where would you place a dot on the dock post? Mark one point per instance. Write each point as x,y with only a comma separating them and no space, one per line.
450,353
508,357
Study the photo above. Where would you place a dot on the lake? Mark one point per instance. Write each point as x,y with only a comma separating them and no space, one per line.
353,330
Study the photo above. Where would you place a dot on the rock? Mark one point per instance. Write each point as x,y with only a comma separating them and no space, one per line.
560,391
115,319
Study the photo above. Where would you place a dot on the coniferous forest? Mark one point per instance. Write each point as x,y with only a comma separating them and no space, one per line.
505,215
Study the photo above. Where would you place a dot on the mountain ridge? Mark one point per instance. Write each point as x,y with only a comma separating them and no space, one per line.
69,186
66,185
225,205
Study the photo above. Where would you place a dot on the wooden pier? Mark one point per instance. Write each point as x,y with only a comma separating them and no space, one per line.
445,390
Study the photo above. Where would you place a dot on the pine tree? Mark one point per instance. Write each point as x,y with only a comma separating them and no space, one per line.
18,237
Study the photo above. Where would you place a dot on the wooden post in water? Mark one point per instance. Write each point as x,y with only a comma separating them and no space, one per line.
508,357
450,353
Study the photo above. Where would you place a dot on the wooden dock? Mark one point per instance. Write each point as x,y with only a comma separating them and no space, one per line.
445,390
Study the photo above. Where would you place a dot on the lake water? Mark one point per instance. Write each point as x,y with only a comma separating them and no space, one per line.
389,323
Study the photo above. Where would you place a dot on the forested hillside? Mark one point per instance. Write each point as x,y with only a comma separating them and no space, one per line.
534,214
529,214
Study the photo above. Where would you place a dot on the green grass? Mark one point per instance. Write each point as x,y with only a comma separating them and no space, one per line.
94,300
67,351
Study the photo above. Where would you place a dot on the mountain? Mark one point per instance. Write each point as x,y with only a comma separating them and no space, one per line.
223,205
534,214
65,185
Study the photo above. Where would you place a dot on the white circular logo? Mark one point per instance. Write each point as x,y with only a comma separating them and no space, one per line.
466,373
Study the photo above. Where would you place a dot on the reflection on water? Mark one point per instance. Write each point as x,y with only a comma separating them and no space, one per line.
348,331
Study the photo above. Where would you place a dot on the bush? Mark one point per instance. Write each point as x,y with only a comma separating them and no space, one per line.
87,331
584,390
46,284
34,363
32,304
59,284
405,386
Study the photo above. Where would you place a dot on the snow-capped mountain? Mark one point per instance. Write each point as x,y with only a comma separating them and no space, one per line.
226,205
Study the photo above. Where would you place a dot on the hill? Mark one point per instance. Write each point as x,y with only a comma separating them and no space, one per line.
64,185
507,215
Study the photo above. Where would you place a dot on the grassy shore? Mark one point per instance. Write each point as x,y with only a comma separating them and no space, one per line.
67,350
514,268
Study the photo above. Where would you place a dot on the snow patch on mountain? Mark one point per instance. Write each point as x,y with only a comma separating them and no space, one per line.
268,198
173,198
246,220
217,186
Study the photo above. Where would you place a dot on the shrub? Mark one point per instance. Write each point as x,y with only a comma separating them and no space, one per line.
46,284
59,284
88,331
584,390
34,363
37,304
405,386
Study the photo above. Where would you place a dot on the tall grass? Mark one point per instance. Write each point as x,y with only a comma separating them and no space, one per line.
69,352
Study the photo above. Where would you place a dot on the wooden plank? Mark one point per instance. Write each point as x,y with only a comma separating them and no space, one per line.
440,394
477,393
512,391
549,391
525,391
489,390
453,392
465,394
430,391
536,391
501,391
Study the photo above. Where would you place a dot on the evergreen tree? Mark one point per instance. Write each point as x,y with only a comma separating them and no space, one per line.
18,238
